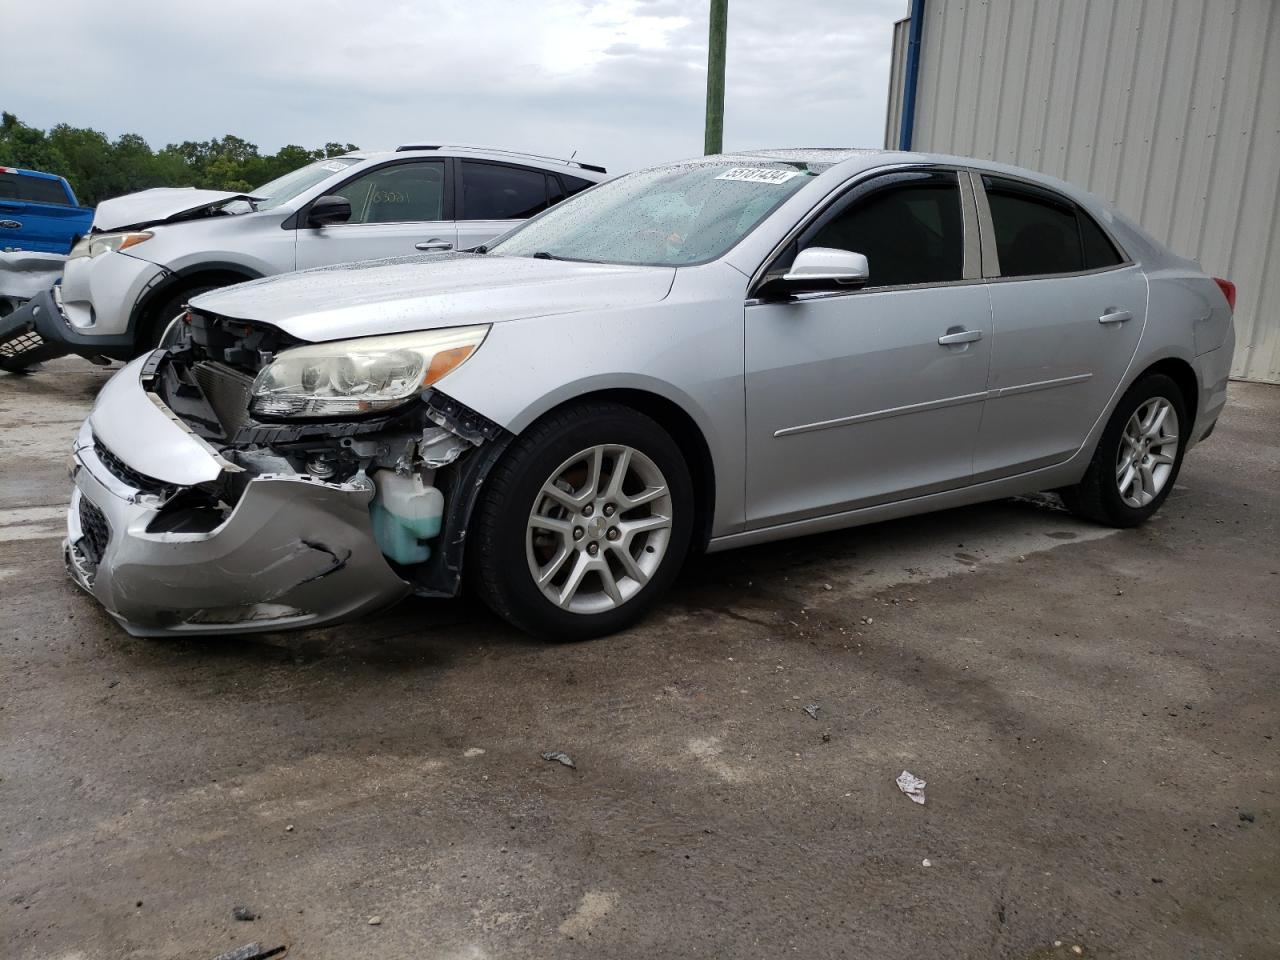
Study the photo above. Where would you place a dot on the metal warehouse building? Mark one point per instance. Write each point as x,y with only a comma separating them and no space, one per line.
1168,108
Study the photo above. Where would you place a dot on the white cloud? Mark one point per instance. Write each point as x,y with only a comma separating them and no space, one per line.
622,81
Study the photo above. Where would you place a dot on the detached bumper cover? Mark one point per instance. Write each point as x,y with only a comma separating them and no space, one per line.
38,331
294,551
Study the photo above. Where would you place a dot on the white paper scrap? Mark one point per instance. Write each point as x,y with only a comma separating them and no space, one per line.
912,786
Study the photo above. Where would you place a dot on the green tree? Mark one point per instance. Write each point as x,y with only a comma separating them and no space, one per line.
99,168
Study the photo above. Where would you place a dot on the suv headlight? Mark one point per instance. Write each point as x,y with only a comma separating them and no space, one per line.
97,243
350,377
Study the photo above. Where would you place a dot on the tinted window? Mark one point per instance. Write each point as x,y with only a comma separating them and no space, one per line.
908,226
574,185
400,193
1036,231
491,191
14,186
1099,251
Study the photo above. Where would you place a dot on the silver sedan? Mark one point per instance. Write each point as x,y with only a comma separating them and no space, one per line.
698,356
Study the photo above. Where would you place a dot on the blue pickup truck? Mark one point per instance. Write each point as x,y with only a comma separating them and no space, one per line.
39,213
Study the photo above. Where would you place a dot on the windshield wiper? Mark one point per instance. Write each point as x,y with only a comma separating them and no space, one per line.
543,255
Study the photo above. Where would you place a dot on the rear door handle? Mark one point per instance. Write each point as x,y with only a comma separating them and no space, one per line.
1115,316
960,336
433,245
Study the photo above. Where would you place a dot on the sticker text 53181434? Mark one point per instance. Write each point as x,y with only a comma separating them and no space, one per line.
758,175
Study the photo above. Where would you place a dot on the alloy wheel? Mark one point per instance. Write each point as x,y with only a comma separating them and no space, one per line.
599,528
1148,451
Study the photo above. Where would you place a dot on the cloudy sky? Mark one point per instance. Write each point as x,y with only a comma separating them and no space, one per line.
621,81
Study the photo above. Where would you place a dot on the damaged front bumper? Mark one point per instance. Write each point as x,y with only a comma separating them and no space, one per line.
292,551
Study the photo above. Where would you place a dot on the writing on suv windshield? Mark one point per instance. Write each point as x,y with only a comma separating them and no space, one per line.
671,216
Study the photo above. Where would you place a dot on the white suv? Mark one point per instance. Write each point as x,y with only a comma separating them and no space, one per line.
150,252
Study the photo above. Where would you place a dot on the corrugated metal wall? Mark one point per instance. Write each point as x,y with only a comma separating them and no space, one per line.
1168,108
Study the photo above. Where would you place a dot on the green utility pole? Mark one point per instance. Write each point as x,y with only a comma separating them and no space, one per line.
714,142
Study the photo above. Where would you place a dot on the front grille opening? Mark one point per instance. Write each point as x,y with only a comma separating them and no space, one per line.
94,531
125,473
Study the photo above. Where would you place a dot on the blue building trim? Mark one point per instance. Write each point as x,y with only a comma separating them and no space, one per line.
915,30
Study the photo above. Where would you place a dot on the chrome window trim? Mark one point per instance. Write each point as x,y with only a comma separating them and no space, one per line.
987,225
834,196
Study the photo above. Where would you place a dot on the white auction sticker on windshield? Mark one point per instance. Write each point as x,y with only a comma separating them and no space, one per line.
758,175
335,167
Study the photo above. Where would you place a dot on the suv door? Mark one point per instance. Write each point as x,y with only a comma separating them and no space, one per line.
398,209
1068,309
852,399
494,197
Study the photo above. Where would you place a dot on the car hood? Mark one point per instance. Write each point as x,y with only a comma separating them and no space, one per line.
441,290
158,205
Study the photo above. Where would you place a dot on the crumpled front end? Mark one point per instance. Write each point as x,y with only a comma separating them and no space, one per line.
189,516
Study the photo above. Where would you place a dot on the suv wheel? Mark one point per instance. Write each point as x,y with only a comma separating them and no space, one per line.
584,523
1138,458
165,314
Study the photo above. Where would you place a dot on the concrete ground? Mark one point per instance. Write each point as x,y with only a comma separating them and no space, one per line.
1097,715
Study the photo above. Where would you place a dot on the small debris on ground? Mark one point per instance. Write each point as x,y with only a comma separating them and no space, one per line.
911,785
812,710
375,921
244,914
1246,816
288,828
252,951
560,756
925,862
826,586
471,752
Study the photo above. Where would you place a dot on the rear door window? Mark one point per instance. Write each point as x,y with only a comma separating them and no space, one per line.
495,191
1039,232
15,186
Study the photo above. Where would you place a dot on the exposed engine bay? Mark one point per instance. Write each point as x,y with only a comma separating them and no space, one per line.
423,463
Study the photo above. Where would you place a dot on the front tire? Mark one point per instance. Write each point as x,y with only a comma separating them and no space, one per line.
584,523
1137,458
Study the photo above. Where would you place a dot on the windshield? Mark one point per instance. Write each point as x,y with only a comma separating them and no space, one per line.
671,216
283,189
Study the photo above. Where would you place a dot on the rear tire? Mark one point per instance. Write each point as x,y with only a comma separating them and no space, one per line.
583,524
1137,458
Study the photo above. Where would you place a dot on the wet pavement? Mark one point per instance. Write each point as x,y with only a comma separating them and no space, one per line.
1096,713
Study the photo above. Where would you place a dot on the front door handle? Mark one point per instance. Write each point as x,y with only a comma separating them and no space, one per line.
1115,316
433,245
960,336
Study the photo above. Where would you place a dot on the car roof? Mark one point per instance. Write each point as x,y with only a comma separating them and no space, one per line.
577,168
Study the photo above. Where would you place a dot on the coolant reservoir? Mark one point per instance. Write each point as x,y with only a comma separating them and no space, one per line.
405,512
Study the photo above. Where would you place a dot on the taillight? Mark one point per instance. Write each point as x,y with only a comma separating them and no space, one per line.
1228,290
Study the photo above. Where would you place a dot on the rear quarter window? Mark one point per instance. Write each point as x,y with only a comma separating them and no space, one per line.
15,186
1040,233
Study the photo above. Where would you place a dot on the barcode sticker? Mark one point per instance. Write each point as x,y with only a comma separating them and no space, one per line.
758,175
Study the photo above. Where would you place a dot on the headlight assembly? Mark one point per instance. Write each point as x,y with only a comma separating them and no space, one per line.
350,377
98,243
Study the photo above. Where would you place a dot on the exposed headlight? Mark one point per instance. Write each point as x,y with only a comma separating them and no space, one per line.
349,377
97,243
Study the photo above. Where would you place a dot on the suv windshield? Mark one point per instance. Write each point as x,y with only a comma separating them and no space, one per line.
283,189
671,216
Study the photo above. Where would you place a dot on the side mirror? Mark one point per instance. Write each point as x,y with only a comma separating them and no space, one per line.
819,270
329,209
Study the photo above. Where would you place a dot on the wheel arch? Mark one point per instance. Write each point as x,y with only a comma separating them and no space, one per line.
683,428
1184,375
188,278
